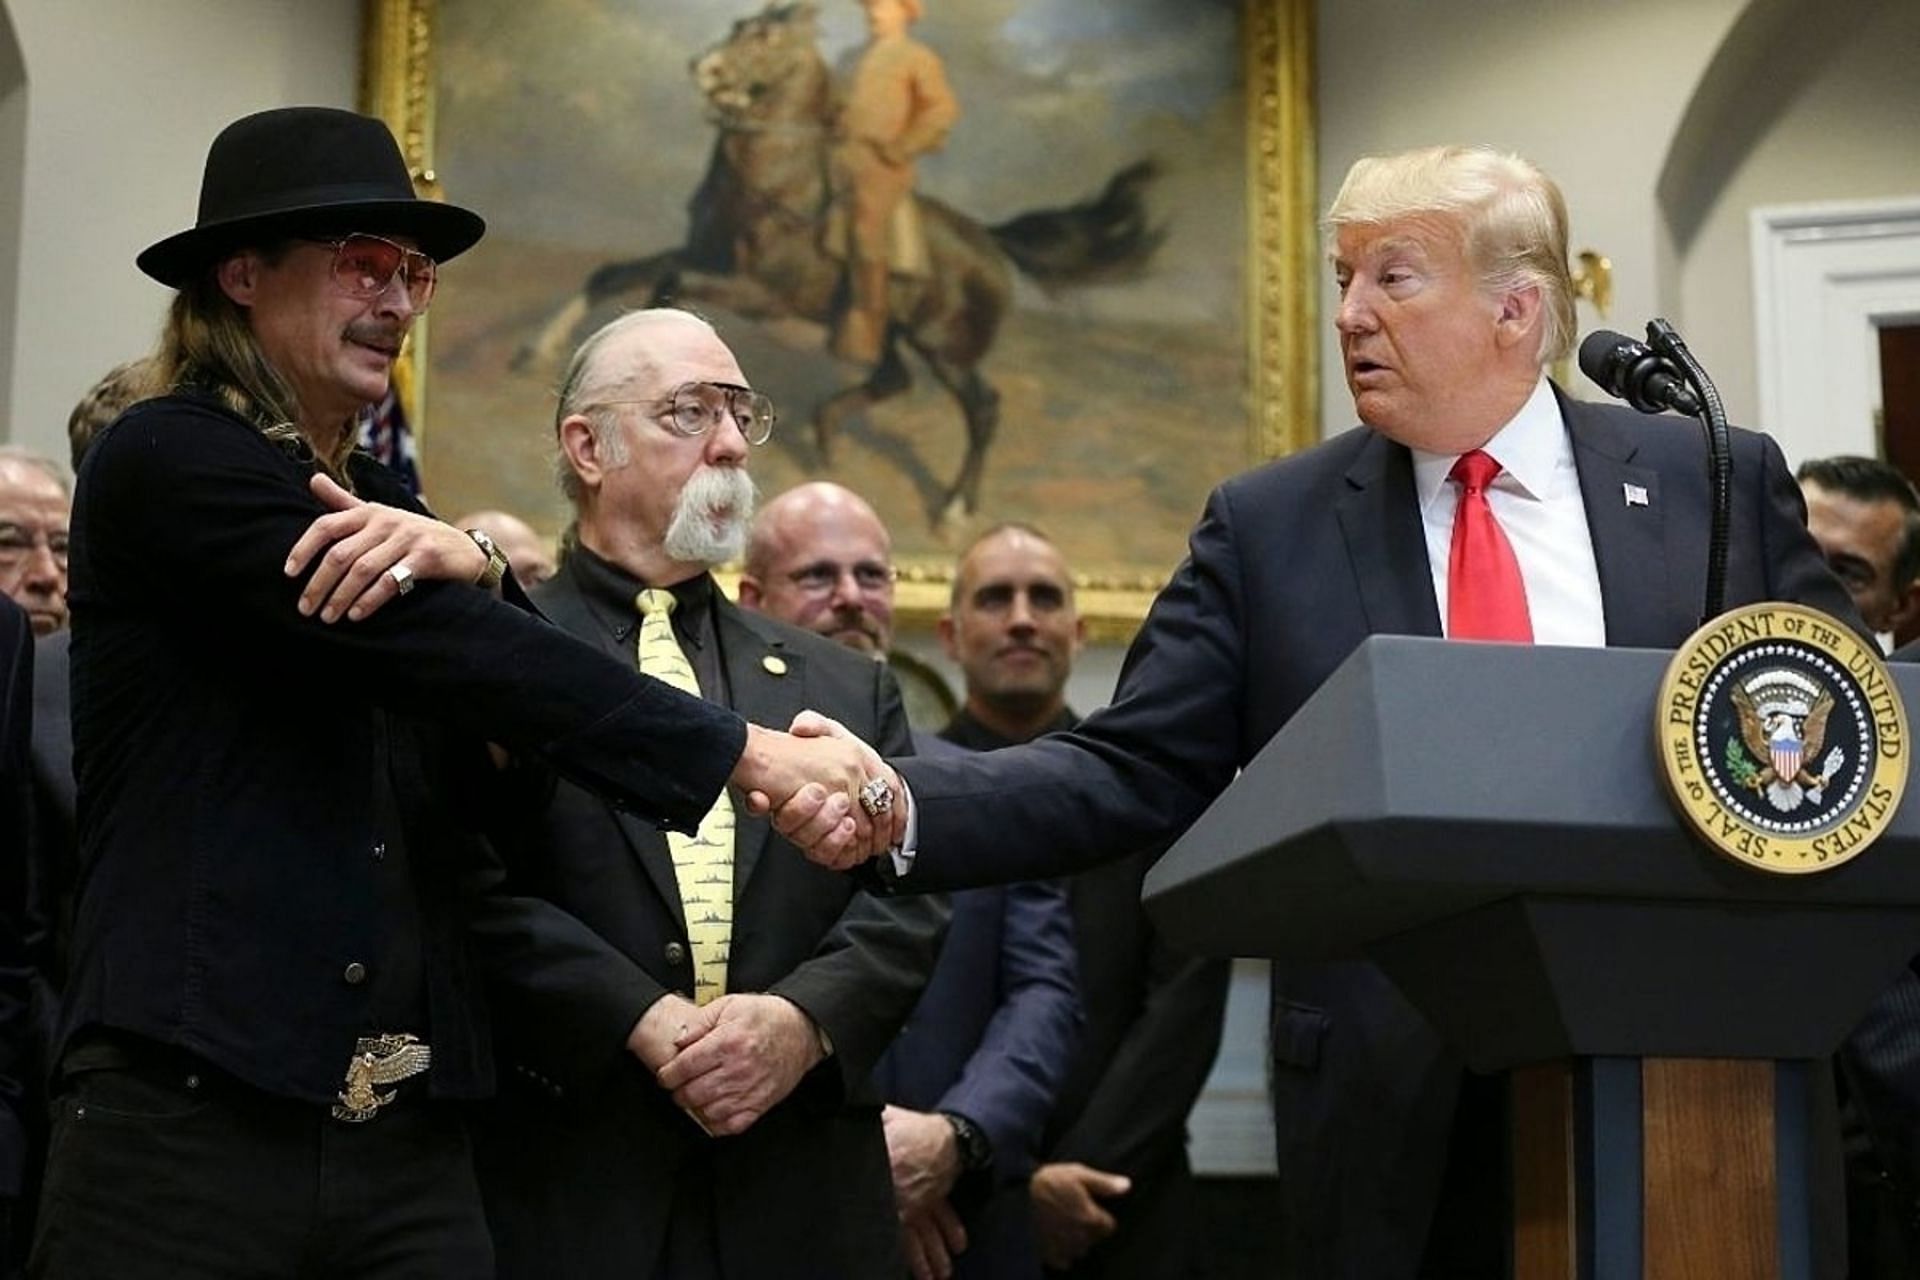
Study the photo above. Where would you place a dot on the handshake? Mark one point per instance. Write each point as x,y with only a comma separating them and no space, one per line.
827,791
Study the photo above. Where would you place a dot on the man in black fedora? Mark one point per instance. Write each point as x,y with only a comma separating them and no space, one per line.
272,1015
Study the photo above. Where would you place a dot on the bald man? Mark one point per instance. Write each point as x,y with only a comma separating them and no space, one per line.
820,558
973,1076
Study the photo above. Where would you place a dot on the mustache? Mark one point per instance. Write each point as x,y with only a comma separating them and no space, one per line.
378,333
712,489
710,519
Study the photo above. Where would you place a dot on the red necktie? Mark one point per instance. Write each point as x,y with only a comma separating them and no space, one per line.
1486,597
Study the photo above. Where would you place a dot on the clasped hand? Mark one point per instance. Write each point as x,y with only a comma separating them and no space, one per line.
810,780
726,1063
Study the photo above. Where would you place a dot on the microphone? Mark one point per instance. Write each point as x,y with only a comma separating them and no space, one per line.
1631,371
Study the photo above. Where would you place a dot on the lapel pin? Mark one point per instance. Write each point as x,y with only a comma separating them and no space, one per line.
775,664
1636,495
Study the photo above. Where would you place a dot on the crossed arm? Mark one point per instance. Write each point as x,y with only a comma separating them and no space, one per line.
811,780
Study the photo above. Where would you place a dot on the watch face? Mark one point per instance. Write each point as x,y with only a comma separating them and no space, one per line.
496,559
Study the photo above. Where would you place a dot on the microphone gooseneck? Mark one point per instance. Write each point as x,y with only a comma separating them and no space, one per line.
1661,374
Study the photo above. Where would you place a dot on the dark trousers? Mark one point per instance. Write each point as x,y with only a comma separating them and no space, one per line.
162,1167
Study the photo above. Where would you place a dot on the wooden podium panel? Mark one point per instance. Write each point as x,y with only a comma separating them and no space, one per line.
1700,1202
1709,1198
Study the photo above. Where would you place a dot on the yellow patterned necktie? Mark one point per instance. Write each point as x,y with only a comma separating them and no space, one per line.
703,862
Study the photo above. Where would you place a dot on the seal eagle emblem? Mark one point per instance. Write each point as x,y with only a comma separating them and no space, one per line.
1782,738
1783,724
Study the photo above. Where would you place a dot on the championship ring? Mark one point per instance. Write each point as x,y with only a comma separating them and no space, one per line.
876,797
1782,738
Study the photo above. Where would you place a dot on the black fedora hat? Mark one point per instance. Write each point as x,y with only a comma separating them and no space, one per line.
306,169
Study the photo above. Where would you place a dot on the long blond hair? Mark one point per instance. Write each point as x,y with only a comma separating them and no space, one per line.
207,345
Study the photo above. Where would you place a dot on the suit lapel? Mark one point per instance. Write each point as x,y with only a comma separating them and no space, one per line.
1629,534
1379,516
566,605
766,680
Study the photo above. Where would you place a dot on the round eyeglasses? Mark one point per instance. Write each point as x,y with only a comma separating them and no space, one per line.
364,267
694,408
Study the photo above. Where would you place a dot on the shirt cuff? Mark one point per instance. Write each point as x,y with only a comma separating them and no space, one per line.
904,853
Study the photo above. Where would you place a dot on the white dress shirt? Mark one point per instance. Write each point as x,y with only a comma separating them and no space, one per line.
1536,499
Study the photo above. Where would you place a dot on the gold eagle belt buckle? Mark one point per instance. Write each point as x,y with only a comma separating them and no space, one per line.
379,1060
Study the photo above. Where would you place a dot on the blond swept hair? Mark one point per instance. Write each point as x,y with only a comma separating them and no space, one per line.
1512,217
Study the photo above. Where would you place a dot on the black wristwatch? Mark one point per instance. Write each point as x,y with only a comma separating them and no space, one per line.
496,559
976,1149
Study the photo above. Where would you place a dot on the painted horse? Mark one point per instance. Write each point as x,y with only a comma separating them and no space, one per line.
757,241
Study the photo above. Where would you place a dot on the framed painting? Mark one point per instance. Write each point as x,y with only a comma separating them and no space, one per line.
1120,223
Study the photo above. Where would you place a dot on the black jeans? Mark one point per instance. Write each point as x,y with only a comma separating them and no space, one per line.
165,1167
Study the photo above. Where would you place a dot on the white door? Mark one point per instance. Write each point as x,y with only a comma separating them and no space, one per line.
1825,278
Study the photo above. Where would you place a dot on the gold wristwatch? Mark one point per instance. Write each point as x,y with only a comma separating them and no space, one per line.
496,559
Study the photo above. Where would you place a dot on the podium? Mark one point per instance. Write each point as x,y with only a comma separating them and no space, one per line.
1487,824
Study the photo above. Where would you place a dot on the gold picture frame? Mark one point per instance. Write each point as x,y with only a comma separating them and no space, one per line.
1281,288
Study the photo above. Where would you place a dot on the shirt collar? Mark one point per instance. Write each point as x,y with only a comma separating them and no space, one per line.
1530,449
963,730
610,590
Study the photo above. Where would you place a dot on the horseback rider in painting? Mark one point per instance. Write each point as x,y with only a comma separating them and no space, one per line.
896,107
760,227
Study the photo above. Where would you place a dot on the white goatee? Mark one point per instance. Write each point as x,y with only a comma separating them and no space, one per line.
710,519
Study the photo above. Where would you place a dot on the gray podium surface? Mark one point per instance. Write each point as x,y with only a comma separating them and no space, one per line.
1487,823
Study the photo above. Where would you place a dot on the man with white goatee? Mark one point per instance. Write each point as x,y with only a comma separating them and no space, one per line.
754,1146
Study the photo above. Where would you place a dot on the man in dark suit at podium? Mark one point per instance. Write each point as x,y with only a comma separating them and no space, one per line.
1476,501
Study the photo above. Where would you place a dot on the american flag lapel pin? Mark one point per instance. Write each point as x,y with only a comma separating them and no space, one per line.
1636,495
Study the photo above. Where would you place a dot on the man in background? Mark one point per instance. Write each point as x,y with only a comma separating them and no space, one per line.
765,987
35,502
973,1076
1866,518
1113,1195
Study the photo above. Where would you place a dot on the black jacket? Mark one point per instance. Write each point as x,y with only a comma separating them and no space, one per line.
230,843
16,1030
583,1157
1290,568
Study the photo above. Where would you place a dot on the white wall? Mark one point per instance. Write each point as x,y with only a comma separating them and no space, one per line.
1589,92
122,98
1847,128
13,163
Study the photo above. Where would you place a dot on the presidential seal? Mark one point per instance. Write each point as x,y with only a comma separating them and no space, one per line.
1782,739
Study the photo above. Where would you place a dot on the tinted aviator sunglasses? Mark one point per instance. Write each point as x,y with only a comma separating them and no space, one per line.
364,266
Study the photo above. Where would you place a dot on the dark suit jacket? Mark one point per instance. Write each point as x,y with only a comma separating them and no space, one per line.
1152,1028
51,867
990,1040
581,1157
16,1027
1292,565
232,844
